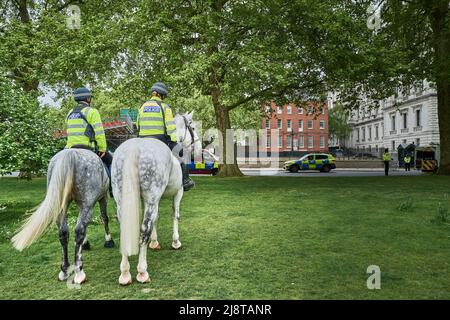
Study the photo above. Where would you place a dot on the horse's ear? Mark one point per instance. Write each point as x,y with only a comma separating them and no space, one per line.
191,114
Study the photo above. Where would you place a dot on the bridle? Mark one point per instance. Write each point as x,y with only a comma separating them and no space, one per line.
191,131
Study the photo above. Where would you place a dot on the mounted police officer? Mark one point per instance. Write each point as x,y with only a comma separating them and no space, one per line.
155,120
85,128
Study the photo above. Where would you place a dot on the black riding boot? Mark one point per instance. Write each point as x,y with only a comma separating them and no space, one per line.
188,183
107,160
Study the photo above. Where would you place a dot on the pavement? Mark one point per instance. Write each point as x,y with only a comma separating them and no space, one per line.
342,172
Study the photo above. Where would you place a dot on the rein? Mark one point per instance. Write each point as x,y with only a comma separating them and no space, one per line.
191,131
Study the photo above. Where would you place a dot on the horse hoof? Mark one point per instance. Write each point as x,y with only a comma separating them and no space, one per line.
109,244
154,245
86,246
80,277
143,277
176,245
125,279
63,276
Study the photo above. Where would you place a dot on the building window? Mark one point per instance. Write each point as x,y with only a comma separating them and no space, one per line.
363,130
267,124
268,140
376,132
405,120
289,124
404,142
322,110
289,109
279,124
300,110
310,142
417,142
393,145
393,123
369,129
418,119
300,125
357,135
322,124
322,141
279,110
267,109
288,142
295,144
280,141
310,124
302,142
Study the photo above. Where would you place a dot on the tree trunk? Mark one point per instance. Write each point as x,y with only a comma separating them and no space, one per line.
441,43
444,126
223,123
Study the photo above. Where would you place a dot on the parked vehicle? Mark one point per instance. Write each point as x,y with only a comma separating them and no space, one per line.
312,161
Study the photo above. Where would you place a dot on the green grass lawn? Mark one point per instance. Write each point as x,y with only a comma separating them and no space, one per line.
255,238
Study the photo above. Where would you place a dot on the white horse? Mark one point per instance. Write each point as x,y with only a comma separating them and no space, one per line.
145,168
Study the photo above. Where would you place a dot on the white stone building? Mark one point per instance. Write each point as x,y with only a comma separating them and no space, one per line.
402,119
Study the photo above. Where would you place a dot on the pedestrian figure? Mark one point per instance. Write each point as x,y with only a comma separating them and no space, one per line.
407,161
386,159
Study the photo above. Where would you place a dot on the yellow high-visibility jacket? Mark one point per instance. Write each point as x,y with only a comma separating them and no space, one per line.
150,120
77,126
386,157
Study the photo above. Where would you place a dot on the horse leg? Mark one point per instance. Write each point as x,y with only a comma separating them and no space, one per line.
150,216
64,239
154,244
176,244
80,234
109,242
125,275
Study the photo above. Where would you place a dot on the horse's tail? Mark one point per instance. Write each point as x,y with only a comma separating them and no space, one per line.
130,206
58,195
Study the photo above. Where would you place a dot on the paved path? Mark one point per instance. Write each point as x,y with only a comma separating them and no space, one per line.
333,173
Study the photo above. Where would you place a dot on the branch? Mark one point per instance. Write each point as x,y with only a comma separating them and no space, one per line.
249,98
262,92
68,3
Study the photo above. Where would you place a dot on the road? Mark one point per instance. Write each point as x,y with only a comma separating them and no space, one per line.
334,173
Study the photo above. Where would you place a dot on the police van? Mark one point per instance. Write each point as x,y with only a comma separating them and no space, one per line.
313,161
210,164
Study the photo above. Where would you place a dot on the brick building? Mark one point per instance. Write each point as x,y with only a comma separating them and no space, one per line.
300,129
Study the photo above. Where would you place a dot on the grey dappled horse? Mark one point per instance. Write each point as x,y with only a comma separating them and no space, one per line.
73,175
145,168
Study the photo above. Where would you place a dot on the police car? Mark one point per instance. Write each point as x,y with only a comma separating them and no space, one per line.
312,161
210,164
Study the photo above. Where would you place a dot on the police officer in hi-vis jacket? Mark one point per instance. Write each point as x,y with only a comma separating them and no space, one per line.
155,120
85,128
